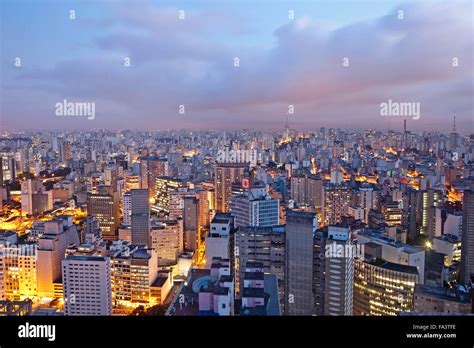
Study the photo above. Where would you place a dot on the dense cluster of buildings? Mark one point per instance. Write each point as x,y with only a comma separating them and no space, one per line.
244,222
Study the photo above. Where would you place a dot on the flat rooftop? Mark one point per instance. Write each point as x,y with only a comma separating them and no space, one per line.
393,266
86,258
159,281
442,293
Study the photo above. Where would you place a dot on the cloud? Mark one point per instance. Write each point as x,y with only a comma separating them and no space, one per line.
191,62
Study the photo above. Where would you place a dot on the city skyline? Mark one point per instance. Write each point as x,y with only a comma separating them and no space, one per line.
182,72
236,223
166,163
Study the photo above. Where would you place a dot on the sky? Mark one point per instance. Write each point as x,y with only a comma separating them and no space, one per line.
331,64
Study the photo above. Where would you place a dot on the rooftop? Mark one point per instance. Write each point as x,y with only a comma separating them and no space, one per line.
159,281
86,258
254,275
442,293
392,266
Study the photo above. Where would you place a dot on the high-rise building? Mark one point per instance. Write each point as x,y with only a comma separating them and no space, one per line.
411,218
65,153
104,206
191,223
90,230
392,211
8,164
177,204
265,245
150,169
134,270
31,188
339,268
140,217
336,200
164,186
218,239
127,209
259,294
300,229
319,270
204,207
418,211
93,182
366,198
396,252
225,175
17,268
110,176
51,250
429,199
131,182
255,208
87,284
434,216
168,241
432,300
382,287
218,297
176,201
306,189
1,172
467,240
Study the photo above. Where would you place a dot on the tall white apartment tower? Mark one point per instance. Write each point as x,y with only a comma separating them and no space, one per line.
87,283
339,265
127,209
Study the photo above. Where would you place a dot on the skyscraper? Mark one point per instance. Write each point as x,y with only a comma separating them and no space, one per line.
1,172
339,268
150,169
255,208
467,251
51,249
29,188
87,283
65,152
17,268
218,239
127,208
140,217
134,270
225,175
382,287
191,223
319,270
104,206
90,230
336,203
164,186
300,229
168,241
265,245
307,189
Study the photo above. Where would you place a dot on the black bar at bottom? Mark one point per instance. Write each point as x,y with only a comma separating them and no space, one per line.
139,331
